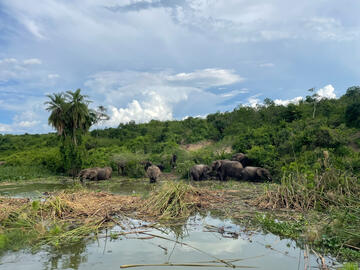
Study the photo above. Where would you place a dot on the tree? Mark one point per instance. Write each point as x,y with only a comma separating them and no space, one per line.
314,99
72,118
352,115
57,107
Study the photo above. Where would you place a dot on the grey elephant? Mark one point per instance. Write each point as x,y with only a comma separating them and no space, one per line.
255,174
225,168
200,172
153,172
242,158
95,174
104,173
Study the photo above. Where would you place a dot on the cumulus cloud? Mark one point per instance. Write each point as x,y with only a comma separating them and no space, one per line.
286,102
142,96
154,107
254,101
326,92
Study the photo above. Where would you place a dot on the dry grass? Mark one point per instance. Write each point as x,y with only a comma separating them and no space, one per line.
196,146
179,200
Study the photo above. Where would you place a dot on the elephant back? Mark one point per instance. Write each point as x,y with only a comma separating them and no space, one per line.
153,171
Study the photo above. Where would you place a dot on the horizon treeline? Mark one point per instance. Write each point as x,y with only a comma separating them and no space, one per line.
277,137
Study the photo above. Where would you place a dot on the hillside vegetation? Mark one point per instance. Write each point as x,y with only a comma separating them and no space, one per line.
283,139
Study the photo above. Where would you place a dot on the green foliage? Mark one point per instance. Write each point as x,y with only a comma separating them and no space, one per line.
183,168
273,136
352,115
131,164
350,266
11,173
282,228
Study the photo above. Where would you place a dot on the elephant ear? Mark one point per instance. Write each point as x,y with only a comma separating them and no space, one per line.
260,172
217,164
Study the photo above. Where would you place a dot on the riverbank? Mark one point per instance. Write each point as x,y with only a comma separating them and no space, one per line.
78,212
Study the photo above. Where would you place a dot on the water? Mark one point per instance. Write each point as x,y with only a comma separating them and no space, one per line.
35,190
213,237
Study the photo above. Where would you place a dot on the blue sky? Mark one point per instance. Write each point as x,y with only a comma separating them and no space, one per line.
169,59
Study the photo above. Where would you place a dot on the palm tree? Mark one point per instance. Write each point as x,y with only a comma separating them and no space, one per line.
58,108
78,112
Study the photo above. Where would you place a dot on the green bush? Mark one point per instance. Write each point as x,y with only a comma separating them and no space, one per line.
183,168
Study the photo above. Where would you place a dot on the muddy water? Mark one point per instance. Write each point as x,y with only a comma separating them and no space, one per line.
37,189
206,239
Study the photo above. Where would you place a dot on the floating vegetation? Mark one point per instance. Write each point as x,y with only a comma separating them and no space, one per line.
179,200
62,218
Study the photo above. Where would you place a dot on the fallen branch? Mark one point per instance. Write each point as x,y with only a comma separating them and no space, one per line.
182,264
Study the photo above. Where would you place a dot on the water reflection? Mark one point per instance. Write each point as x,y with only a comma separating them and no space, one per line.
204,238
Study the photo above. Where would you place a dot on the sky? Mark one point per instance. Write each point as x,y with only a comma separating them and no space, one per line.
171,59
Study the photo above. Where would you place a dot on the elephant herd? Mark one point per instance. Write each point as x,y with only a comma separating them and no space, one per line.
152,171
236,168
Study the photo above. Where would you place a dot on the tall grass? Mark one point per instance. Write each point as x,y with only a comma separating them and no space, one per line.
334,193
11,173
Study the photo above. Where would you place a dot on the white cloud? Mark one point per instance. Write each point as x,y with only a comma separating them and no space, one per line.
326,92
154,107
142,96
5,128
286,102
32,61
254,101
209,77
33,28
234,93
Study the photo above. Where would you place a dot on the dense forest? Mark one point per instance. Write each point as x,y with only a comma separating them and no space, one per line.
283,139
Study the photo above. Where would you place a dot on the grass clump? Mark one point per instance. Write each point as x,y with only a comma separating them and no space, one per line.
173,200
318,191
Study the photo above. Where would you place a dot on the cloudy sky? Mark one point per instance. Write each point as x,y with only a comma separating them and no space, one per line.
168,59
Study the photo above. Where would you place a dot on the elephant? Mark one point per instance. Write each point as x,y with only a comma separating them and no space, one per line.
200,172
153,172
225,168
255,174
121,167
104,173
242,158
161,167
95,174
147,164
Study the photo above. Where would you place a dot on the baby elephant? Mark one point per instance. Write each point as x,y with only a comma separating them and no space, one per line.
255,174
200,172
153,172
